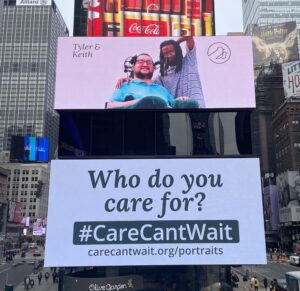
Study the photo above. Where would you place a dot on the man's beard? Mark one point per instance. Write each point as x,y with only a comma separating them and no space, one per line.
171,63
144,76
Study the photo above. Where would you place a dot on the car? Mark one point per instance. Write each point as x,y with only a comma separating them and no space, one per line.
37,253
32,245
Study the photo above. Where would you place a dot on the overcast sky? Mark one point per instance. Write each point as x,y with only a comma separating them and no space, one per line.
228,15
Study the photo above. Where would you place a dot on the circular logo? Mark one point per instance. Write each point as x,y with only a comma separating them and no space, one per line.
219,53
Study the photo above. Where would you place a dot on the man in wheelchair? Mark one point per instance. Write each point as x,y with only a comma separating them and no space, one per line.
141,92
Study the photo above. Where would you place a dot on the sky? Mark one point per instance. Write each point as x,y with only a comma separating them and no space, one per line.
229,16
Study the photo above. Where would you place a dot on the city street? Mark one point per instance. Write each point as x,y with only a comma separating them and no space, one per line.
271,271
13,273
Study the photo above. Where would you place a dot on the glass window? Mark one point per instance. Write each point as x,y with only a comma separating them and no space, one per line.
120,133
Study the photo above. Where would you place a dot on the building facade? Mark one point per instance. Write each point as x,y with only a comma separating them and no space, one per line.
28,42
3,207
286,126
1,12
262,12
29,184
276,125
80,17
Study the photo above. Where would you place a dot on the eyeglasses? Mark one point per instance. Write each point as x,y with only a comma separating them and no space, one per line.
141,62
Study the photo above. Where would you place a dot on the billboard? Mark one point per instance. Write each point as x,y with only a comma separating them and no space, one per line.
29,149
150,18
275,43
25,221
271,215
38,227
172,212
33,2
288,184
122,283
291,79
199,72
14,212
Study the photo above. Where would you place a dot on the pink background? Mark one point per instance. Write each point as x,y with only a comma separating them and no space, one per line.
88,82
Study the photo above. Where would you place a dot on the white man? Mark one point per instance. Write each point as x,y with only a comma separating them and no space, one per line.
141,92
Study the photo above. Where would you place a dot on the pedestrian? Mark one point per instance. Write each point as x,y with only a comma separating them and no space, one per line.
47,275
265,280
252,282
275,283
40,276
27,282
234,280
54,275
247,274
256,284
271,286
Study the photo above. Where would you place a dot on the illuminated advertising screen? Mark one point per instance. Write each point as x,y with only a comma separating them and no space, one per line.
155,73
150,17
29,149
173,212
275,43
38,227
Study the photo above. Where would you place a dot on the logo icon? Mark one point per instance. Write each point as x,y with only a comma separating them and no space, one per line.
219,53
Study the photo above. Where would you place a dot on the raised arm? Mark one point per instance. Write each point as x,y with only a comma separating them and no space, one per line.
189,41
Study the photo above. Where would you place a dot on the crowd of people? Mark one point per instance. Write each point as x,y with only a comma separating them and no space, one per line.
255,283
29,282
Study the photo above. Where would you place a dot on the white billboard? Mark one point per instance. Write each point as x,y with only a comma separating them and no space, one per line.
155,212
33,2
291,79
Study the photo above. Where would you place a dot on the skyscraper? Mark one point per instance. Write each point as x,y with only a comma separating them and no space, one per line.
28,42
80,17
263,12
275,121
1,12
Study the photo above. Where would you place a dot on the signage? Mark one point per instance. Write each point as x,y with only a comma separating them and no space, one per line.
275,43
90,67
291,79
122,283
150,18
33,2
155,212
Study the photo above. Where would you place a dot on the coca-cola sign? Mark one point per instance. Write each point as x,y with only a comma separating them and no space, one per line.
151,29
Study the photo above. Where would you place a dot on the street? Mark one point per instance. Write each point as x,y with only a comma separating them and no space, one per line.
14,273
271,271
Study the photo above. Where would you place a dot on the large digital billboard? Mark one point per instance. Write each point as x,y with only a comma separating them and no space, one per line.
29,149
155,73
39,227
150,17
275,43
172,212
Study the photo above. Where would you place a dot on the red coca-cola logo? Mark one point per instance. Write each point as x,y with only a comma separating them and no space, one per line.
151,29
